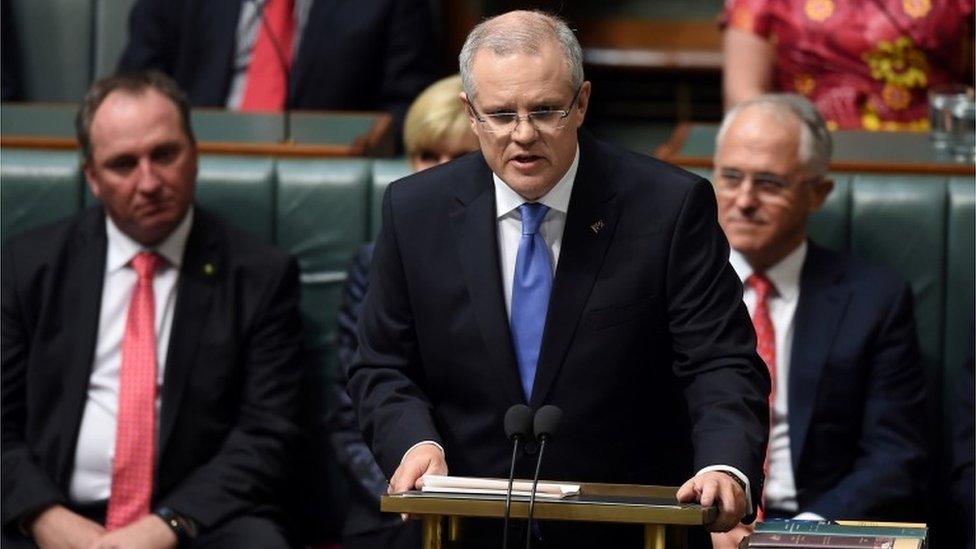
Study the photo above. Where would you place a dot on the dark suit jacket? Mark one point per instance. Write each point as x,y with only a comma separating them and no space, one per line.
856,396
647,347
230,392
353,55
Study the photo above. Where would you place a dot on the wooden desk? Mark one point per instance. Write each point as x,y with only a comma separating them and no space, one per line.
218,131
655,507
675,45
693,145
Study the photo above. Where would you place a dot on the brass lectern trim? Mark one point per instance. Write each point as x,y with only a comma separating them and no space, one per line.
587,511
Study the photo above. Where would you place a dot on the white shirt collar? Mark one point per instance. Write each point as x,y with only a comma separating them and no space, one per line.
507,200
784,275
122,248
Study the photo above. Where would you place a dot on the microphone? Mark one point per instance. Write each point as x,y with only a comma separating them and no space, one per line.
546,423
285,67
518,426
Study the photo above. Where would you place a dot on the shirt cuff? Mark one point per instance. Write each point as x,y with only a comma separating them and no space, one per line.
422,442
808,515
738,474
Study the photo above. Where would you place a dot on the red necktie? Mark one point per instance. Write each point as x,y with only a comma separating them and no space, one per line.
765,345
135,433
267,75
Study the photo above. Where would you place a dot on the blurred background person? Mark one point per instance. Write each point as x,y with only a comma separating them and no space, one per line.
838,335
272,55
436,131
864,64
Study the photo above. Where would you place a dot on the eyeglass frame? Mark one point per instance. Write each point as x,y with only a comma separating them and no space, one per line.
483,119
763,183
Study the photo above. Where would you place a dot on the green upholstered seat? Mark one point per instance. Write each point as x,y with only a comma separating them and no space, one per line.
55,45
959,276
37,187
111,34
241,190
321,213
384,173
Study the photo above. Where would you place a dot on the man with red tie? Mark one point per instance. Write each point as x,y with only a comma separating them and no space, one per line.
269,55
151,354
837,335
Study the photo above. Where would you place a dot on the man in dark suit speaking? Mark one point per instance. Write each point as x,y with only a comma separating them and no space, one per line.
551,268
151,354
838,335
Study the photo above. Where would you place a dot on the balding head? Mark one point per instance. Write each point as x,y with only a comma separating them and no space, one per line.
771,159
794,113
525,32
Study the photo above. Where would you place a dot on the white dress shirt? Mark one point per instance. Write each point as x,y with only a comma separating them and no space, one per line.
780,492
509,224
91,478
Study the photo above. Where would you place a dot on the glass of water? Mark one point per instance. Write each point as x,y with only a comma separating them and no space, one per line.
963,138
942,101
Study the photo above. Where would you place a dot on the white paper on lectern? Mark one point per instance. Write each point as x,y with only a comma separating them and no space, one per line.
493,486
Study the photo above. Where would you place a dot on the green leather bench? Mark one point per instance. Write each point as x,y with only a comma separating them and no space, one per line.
922,227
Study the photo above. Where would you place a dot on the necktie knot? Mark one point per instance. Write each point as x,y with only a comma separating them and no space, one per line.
761,285
146,263
532,215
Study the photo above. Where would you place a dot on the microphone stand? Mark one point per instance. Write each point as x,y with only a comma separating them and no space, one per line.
518,427
508,494
535,484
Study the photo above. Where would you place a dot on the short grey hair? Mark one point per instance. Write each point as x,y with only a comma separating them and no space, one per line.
528,36
816,145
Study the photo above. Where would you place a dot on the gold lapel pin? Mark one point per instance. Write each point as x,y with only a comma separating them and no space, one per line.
596,226
209,269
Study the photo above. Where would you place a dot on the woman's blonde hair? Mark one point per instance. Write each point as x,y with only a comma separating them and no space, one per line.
435,117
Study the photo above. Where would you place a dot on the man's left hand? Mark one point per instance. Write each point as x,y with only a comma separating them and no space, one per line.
149,532
718,489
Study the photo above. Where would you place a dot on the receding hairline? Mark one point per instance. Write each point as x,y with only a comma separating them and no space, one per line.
136,93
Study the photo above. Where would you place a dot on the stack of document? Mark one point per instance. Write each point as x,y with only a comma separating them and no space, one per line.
497,487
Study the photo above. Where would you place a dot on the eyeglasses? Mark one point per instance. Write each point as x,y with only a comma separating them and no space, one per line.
730,180
543,120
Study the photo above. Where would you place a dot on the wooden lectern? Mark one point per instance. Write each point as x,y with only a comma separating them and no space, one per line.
655,507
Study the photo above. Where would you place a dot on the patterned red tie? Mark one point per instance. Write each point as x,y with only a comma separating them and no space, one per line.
135,434
765,346
267,74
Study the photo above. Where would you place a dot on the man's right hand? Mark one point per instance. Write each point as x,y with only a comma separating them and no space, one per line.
423,459
57,527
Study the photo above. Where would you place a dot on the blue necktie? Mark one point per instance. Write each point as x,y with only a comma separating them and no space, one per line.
530,293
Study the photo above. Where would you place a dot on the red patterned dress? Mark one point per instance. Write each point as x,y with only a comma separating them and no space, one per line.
864,63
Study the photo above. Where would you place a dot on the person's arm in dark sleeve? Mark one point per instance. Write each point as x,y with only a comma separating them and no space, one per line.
889,469
394,412
726,385
26,487
410,60
153,36
347,442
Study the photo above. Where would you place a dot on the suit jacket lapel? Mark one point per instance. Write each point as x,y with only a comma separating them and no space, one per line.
823,299
84,279
590,225
199,276
476,238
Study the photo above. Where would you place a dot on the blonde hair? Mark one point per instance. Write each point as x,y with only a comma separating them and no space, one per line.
435,117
